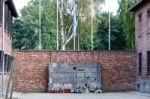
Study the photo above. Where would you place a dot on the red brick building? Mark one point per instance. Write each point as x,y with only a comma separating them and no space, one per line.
142,29
6,17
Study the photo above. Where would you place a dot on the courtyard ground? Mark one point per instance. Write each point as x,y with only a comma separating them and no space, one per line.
125,95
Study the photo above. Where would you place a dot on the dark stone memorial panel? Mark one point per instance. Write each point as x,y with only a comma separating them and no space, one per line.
74,75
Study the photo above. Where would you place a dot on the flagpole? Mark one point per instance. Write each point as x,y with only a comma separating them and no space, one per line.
57,28
92,25
74,43
109,47
74,47
78,42
40,16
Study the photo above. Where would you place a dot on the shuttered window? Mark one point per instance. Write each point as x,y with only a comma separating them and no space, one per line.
9,63
148,62
6,7
8,18
5,61
1,60
1,11
140,63
10,25
148,21
140,23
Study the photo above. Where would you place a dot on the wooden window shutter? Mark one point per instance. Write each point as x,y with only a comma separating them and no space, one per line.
148,21
148,62
140,23
1,11
140,63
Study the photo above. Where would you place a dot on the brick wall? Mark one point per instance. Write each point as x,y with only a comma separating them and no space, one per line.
118,68
142,38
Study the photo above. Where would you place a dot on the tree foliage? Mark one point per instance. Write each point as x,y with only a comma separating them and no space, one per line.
25,29
66,10
30,22
23,39
101,35
128,22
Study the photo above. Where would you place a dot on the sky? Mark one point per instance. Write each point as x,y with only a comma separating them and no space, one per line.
113,5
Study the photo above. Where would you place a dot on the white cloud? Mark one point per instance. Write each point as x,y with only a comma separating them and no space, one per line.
112,6
20,4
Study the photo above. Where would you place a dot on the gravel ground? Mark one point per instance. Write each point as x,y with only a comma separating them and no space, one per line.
127,95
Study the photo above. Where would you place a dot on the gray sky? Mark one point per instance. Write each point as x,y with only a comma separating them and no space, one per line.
113,5
20,3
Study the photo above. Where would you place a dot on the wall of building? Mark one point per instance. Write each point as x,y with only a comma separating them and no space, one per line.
118,68
7,42
7,30
142,43
6,52
143,37
1,37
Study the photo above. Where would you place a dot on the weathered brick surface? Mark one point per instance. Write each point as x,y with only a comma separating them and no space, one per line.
142,38
118,68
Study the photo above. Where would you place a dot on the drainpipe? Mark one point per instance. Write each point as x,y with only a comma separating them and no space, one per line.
3,29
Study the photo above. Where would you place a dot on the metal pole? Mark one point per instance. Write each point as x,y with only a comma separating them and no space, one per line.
57,29
109,29
40,16
92,25
75,12
78,42
74,43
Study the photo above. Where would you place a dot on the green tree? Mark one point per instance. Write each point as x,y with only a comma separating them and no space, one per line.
117,34
23,39
29,22
65,16
30,19
128,22
84,29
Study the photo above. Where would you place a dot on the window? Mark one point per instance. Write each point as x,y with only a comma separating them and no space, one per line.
9,63
148,21
148,62
5,61
140,23
1,12
10,24
1,60
140,63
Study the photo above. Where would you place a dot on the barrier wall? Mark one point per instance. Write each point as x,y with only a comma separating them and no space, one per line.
118,68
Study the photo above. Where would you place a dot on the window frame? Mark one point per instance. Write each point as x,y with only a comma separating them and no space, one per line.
148,20
140,23
148,62
1,12
140,63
